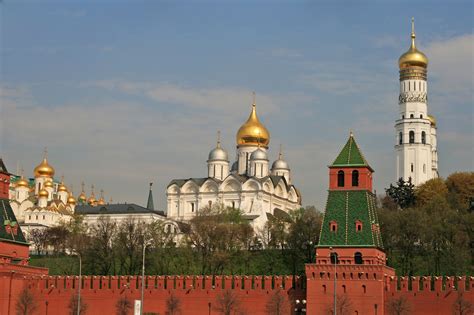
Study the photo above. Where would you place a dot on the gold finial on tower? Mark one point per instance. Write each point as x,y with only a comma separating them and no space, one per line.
351,134
218,138
413,57
280,153
254,103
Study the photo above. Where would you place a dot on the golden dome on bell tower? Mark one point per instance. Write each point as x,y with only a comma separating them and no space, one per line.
44,169
413,57
253,132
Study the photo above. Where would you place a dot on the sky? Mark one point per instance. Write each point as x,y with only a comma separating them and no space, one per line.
123,93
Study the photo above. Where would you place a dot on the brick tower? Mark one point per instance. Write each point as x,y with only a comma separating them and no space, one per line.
350,262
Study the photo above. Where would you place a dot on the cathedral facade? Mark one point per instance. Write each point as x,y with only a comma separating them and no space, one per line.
416,147
250,183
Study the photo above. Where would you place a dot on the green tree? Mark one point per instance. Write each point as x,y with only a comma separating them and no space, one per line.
461,189
99,256
403,193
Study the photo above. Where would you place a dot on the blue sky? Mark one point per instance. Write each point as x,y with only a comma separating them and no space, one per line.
127,92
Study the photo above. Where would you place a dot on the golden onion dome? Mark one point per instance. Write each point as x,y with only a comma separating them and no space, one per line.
91,200
432,120
82,197
101,202
43,193
44,169
48,184
22,183
71,200
62,187
253,132
413,57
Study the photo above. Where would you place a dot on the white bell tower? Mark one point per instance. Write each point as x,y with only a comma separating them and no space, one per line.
416,153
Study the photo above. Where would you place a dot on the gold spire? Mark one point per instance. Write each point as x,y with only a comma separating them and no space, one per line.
413,57
253,132
280,153
44,169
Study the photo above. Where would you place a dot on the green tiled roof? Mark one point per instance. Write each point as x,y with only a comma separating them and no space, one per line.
8,222
350,155
345,208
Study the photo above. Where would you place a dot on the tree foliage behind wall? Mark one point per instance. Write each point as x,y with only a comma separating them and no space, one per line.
434,235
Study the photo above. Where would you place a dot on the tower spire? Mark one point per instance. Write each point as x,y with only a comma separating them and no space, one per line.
280,153
413,35
149,204
254,103
218,142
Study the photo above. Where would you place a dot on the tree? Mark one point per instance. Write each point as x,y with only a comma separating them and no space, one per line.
228,303
398,306
39,239
56,237
403,193
123,306
26,303
429,189
461,189
343,305
173,305
99,256
462,306
277,303
73,305
128,245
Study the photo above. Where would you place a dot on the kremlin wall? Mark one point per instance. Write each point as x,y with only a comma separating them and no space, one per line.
361,278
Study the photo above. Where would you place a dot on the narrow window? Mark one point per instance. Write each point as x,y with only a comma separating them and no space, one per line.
419,85
403,116
358,258
334,259
424,168
400,138
355,178
421,116
414,86
233,204
222,172
409,85
423,137
261,169
412,136
358,225
333,226
412,167
364,288
192,206
340,179
412,116
344,288
44,217
214,171
324,288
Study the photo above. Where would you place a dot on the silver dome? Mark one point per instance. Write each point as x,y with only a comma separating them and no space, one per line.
218,154
280,165
259,154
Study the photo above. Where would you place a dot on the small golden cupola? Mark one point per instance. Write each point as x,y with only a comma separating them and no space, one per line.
71,200
82,197
432,120
92,201
43,193
253,132
44,169
48,184
413,57
101,201
61,186
22,182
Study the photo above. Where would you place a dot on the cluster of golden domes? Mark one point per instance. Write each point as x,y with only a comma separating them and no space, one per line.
44,169
413,57
253,132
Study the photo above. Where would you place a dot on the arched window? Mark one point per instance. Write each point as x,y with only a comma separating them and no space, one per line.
423,137
340,179
324,288
358,258
400,138
355,178
412,116
344,288
358,226
421,116
364,288
334,259
411,137
333,226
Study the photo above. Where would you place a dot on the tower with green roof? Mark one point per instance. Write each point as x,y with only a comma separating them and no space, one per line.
350,230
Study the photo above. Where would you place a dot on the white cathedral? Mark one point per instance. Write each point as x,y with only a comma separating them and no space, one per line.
416,153
250,184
